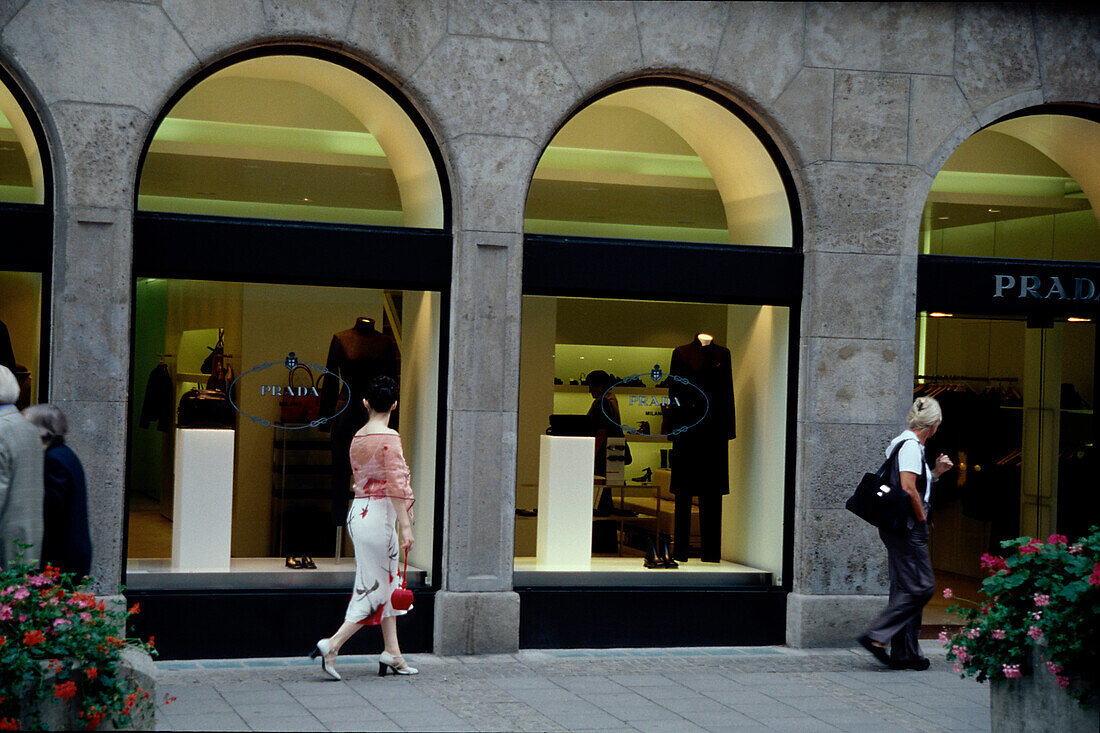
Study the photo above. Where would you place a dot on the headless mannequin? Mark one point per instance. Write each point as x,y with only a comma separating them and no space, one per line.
358,355
700,456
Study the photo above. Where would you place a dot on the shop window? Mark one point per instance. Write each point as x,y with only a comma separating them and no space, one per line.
21,174
1018,189
292,137
236,492
655,377
20,331
24,254
660,163
628,503
264,470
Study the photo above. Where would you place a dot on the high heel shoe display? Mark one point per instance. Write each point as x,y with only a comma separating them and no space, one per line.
651,560
645,478
328,658
666,554
389,663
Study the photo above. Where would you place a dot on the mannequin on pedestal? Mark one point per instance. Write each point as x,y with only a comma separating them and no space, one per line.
358,355
700,455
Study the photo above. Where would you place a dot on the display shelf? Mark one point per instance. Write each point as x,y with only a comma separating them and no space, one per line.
632,438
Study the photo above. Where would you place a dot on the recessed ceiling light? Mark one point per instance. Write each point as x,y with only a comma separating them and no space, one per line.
937,314
1075,319
994,211
306,198
943,218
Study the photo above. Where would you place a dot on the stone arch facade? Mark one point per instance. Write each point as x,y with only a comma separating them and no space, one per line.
865,103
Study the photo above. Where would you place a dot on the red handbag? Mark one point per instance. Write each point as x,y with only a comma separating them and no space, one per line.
301,404
402,598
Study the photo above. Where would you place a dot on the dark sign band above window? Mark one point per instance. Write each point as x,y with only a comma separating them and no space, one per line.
988,286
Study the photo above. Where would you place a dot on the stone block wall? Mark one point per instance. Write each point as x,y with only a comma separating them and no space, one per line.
865,101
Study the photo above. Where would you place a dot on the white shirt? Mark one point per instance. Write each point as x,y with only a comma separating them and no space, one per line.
911,459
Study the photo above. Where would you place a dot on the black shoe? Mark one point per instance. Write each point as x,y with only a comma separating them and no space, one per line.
916,663
877,652
651,560
666,555
645,478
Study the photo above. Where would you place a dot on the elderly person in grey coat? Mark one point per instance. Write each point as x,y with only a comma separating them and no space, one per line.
21,478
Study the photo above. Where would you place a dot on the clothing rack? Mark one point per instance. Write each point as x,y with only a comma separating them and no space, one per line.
961,378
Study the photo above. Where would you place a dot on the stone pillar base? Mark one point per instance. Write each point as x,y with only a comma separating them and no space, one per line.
829,621
476,623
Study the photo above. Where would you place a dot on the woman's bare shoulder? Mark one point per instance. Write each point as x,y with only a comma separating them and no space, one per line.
387,431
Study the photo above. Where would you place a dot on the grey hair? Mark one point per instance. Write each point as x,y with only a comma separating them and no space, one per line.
50,421
924,413
9,387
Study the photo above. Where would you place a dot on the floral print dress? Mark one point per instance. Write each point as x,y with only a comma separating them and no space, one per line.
380,474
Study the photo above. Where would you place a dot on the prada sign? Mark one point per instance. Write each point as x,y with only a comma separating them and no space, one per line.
1015,287
1045,288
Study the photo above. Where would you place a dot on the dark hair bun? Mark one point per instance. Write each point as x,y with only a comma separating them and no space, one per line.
381,393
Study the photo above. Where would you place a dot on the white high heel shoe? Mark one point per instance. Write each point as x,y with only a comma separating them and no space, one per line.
387,662
328,658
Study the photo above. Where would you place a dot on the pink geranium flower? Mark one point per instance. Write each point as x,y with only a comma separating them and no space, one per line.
1034,632
1011,671
944,638
998,634
973,633
5,613
1094,579
1057,539
948,593
1041,599
1054,668
20,593
1062,681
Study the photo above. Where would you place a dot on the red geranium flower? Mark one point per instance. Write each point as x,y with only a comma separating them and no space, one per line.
31,638
9,724
135,609
91,672
65,690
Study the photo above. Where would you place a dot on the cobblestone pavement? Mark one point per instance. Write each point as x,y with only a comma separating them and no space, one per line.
666,690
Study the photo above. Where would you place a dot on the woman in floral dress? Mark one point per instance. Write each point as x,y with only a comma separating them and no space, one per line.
383,499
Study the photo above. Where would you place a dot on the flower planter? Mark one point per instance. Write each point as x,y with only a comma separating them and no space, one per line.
57,714
1036,702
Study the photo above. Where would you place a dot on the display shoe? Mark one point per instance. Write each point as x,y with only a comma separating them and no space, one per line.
878,652
389,663
666,555
651,560
645,478
328,658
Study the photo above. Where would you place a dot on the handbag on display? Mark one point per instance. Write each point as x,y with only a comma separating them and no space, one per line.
300,408
206,408
879,498
402,598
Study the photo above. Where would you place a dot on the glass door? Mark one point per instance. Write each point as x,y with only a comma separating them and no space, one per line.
1018,401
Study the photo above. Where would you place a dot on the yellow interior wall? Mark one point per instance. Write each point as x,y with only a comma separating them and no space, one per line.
21,312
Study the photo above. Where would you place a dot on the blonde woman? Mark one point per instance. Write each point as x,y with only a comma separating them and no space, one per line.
911,581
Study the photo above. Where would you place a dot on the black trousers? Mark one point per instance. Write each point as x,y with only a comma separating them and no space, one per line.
710,527
911,587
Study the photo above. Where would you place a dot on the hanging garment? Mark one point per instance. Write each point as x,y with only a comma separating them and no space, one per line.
160,399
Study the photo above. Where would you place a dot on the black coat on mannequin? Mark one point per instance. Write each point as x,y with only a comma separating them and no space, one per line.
358,355
700,455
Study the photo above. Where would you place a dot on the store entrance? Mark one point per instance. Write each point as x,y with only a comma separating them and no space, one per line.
1018,398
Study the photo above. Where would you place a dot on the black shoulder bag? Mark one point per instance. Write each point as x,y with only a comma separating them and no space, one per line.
879,498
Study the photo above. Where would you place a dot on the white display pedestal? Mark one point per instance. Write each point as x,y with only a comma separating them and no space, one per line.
566,499
203,500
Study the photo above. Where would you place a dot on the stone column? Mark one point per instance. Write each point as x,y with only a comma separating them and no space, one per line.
91,301
476,610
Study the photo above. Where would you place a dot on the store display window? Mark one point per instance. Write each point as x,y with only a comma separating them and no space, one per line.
1006,335
26,243
281,200
660,162
21,331
626,405
1019,421
242,423
1018,189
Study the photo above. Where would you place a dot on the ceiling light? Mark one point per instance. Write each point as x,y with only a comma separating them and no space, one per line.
943,218
1075,319
994,211
937,314
306,198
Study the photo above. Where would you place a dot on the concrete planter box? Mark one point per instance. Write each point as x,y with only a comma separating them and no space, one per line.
58,714
1036,702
